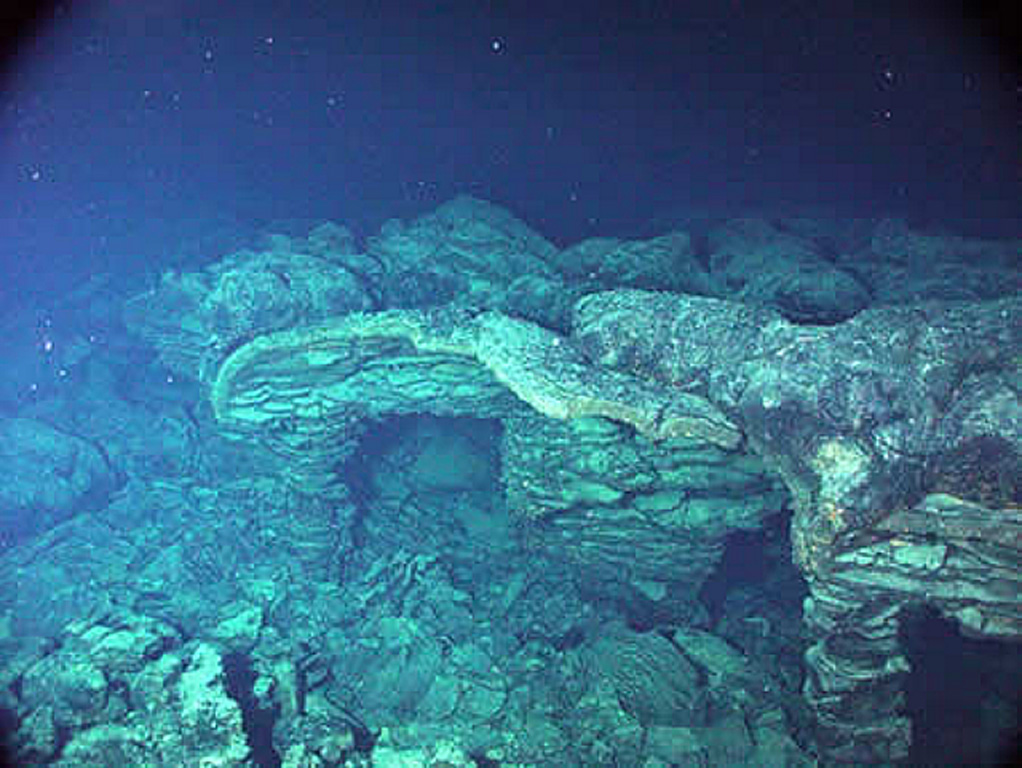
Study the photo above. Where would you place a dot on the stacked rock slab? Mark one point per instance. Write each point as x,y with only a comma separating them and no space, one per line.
592,457
305,392
635,515
899,434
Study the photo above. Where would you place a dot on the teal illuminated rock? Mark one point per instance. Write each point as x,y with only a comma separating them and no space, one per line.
305,392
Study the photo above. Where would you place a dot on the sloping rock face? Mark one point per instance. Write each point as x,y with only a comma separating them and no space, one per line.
49,474
899,433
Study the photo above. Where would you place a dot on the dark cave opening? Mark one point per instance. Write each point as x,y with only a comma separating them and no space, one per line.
240,677
964,696
395,439
749,558
8,725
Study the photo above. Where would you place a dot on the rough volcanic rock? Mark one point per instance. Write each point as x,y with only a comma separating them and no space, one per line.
655,683
902,265
305,393
193,319
636,442
125,689
49,476
868,422
466,248
752,261
666,263
649,516
475,254
865,421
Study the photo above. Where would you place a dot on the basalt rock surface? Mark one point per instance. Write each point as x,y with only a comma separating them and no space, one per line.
305,393
899,435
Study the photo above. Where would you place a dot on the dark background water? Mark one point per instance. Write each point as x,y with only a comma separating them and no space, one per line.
131,132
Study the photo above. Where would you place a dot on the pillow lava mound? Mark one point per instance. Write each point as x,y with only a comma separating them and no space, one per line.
48,476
